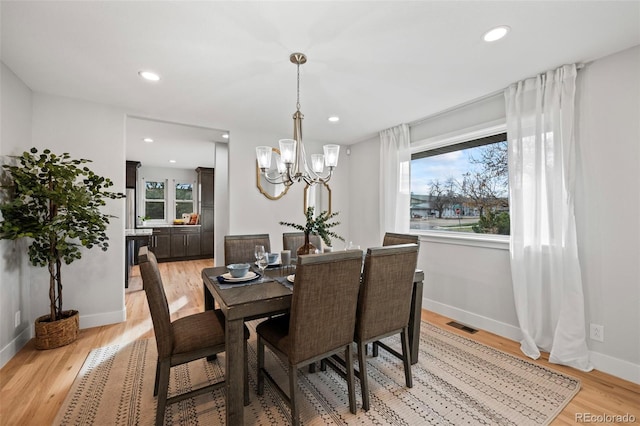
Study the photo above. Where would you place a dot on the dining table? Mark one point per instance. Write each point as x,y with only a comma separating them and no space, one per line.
244,301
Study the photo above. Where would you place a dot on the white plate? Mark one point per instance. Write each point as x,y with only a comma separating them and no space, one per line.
250,275
291,278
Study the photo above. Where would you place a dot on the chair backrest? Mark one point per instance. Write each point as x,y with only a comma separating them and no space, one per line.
240,248
323,305
294,240
392,239
157,300
384,302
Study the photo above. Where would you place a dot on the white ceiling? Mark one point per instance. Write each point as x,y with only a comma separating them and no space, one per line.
226,65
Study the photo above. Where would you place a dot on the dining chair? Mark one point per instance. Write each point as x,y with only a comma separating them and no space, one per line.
294,240
184,340
384,305
320,323
392,239
240,248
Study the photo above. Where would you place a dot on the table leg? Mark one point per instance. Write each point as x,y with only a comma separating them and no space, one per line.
234,371
209,301
414,321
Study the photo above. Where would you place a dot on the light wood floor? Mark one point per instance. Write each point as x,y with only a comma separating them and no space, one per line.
34,383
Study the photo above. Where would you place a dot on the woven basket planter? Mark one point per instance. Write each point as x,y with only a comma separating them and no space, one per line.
50,335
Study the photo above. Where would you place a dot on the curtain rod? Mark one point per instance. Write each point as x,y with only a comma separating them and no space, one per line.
579,66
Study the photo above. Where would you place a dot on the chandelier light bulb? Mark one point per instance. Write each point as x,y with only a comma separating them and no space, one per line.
317,163
331,153
263,154
287,150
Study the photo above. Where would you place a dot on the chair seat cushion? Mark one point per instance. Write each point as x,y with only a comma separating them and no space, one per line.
197,331
275,331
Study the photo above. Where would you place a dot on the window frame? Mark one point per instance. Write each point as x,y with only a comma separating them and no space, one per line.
176,201
494,241
143,200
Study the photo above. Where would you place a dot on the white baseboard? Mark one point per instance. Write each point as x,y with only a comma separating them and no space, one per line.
86,321
105,318
615,366
605,363
473,320
13,347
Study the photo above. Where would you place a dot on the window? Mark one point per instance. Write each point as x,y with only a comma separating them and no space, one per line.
462,187
155,199
184,199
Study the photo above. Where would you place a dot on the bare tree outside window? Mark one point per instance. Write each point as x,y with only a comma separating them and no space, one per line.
462,188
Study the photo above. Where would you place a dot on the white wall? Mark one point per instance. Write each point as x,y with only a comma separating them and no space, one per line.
94,284
15,135
472,284
608,203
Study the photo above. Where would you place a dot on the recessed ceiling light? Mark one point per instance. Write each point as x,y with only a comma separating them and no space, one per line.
148,140
496,33
334,119
149,75
172,161
226,135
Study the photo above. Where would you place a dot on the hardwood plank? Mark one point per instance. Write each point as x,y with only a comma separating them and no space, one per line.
34,383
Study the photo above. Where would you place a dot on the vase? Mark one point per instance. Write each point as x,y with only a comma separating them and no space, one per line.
307,247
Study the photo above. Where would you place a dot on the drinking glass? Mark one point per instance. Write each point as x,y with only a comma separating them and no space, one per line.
262,260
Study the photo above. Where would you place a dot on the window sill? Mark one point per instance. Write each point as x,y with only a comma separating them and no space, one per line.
498,242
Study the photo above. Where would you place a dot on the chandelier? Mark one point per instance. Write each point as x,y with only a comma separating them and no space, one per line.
292,163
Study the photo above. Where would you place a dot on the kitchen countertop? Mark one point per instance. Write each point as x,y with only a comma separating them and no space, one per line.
138,232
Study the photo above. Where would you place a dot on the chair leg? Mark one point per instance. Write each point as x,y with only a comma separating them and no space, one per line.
260,374
364,383
155,385
406,355
247,400
293,390
348,356
375,349
163,389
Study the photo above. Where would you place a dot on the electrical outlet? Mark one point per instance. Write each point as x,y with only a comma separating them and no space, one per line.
17,319
597,332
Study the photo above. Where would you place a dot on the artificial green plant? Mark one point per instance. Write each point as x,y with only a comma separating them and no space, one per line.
318,225
55,201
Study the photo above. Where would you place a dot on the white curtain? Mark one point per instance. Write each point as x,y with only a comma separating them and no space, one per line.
545,268
395,158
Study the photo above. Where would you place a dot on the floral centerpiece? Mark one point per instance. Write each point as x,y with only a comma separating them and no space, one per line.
319,225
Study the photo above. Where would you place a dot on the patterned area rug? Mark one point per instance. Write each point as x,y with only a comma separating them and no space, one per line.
456,381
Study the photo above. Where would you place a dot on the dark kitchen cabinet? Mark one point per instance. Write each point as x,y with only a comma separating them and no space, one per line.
160,243
206,184
132,174
185,242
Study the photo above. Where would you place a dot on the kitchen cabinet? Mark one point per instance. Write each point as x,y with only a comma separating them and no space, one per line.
206,184
160,243
185,241
131,177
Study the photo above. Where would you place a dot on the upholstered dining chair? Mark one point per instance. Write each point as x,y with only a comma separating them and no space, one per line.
320,323
183,340
384,304
392,239
240,248
294,240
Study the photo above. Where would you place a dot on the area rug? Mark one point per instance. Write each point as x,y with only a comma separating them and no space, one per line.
456,381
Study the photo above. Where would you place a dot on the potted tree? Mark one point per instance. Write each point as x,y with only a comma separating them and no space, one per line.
55,202
319,225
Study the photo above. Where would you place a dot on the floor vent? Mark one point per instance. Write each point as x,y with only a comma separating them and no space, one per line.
462,327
